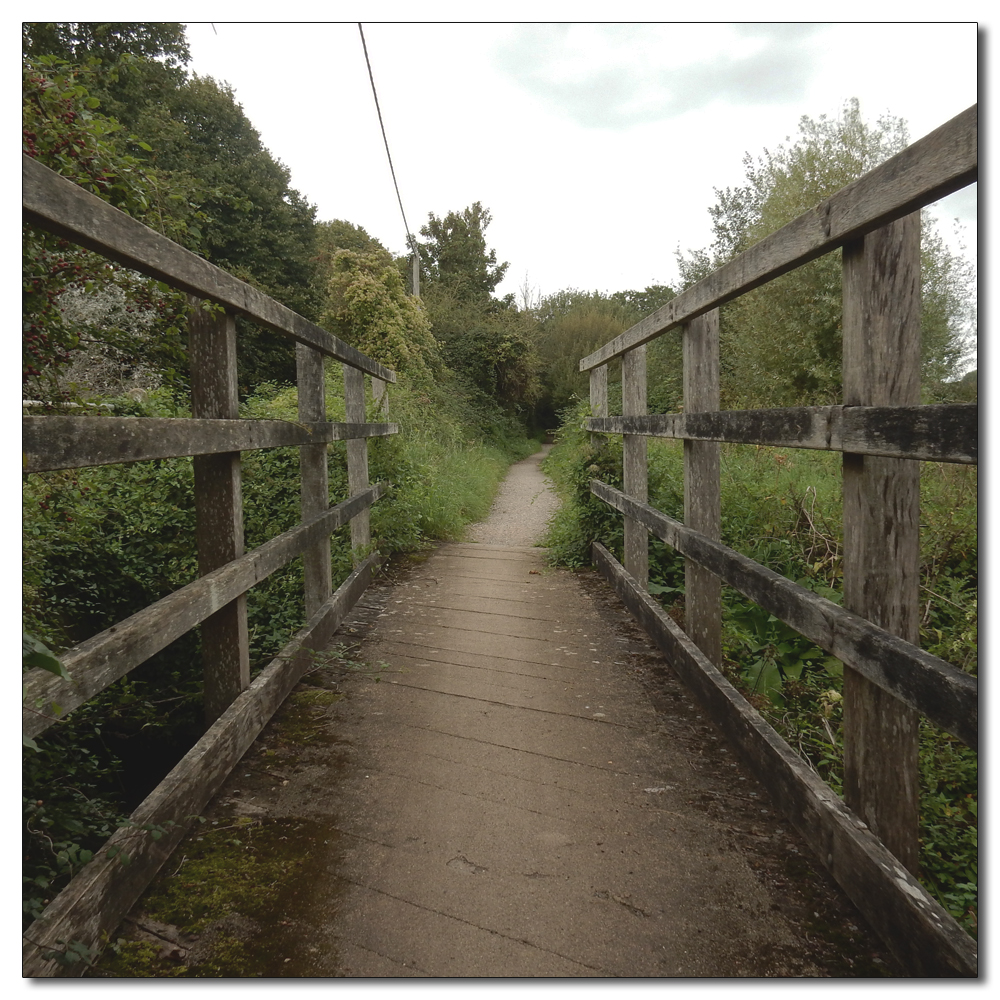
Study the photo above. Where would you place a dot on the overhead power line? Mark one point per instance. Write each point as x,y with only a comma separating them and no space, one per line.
409,236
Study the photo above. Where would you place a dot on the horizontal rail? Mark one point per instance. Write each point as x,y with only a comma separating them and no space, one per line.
920,932
65,209
76,442
943,161
101,660
102,893
932,686
945,433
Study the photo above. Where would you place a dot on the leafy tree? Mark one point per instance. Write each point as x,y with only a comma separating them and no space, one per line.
572,324
484,340
63,286
454,254
368,306
196,135
782,342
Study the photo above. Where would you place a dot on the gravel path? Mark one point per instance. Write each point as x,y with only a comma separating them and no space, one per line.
523,506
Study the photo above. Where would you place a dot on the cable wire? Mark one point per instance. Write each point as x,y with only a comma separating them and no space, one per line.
411,241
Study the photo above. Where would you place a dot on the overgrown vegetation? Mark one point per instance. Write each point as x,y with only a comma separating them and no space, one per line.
783,508
112,107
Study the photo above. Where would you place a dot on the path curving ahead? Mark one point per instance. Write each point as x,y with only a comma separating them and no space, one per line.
507,800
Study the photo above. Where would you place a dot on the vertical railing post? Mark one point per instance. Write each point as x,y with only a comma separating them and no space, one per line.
635,469
381,397
218,505
598,397
357,454
314,476
702,501
881,367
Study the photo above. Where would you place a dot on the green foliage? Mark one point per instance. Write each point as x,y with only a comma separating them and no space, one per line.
367,306
781,343
75,306
199,173
783,509
454,254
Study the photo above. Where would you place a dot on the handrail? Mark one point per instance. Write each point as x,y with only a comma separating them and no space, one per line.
941,163
883,433
236,709
63,208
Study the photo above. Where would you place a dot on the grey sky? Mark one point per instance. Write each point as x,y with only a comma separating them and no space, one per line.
630,83
597,147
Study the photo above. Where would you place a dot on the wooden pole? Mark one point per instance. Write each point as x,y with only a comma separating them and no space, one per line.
218,506
314,477
881,367
635,469
598,398
702,499
357,459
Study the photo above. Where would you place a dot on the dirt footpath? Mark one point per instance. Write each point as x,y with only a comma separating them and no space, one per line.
509,781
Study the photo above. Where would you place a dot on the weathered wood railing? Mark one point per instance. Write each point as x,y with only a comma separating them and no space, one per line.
869,841
236,710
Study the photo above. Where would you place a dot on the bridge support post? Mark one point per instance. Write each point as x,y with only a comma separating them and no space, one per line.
314,478
381,397
218,506
598,398
702,498
357,459
634,459
881,367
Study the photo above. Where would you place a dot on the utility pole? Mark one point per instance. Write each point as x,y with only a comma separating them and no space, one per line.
416,269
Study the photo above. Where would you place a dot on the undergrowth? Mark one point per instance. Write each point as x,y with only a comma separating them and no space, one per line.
783,508
101,543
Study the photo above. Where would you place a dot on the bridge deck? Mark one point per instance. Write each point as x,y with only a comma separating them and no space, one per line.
514,806
496,794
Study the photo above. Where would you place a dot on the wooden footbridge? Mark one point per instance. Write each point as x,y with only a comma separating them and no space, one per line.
867,842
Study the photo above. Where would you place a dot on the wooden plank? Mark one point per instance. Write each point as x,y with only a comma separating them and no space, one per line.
314,475
357,458
944,161
940,433
635,466
881,556
96,900
218,500
598,396
101,660
61,207
942,692
915,927
56,442
702,487
380,396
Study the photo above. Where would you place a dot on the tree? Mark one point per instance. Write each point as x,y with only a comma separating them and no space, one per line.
368,307
196,135
781,343
454,255
485,340
68,293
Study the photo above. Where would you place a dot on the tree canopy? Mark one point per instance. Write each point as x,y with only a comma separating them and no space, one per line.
205,177
454,255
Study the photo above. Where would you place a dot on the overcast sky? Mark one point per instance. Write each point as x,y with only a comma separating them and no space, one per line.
596,146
